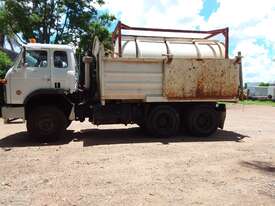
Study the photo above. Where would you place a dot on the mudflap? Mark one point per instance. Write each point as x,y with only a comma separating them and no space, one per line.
221,108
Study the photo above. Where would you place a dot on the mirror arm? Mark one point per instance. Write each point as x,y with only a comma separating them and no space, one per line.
24,55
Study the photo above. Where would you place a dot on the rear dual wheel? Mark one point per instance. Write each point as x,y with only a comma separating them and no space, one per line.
202,121
163,121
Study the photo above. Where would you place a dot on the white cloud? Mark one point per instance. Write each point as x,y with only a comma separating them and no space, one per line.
257,66
127,11
249,21
245,18
155,13
235,12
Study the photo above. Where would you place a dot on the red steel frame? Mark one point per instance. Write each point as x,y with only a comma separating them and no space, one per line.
120,26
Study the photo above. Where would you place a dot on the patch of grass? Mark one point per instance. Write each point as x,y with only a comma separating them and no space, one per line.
258,102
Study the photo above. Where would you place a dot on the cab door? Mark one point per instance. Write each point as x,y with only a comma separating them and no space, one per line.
34,75
62,71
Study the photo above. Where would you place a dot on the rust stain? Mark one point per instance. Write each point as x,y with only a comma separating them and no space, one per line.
18,92
134,61
209,79
203,98
3,81
200,88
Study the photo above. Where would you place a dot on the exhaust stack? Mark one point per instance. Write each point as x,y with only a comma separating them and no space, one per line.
87,61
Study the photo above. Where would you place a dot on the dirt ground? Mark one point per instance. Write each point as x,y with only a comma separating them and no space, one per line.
113,165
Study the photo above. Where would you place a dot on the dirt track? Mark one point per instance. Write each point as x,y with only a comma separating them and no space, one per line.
112,165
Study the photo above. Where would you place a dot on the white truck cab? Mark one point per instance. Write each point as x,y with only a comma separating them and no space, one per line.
39,66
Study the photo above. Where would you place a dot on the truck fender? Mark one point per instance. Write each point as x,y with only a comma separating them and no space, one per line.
50,96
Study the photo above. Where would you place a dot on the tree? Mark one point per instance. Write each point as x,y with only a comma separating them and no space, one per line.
5,63
55,21
1,39
98,28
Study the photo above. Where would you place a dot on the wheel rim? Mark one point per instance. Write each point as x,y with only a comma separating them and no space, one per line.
204,121
46,124
163,121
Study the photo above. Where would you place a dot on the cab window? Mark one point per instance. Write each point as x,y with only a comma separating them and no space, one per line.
36,58
60,59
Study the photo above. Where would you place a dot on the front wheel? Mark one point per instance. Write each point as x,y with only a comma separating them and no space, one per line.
46,123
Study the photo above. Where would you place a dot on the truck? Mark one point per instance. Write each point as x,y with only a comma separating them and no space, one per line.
163,80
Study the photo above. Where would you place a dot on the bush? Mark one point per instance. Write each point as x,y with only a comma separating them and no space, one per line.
5,63
262,84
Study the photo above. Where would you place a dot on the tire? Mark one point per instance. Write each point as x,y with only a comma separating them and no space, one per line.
202,121
163,121
46,123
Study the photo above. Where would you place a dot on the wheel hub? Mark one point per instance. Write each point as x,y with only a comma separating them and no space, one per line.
163,121
204,121
46,124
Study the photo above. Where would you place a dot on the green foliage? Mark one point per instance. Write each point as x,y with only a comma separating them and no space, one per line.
262,84
55,21
5,63
258,102
98,28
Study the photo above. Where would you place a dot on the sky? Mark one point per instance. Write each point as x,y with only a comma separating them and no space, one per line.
251,25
